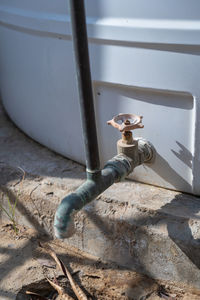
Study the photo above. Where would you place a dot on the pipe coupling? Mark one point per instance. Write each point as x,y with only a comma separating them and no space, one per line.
121,164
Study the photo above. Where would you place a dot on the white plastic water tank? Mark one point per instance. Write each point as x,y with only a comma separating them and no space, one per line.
145,59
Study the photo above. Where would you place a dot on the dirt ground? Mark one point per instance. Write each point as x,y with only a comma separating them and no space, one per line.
24,266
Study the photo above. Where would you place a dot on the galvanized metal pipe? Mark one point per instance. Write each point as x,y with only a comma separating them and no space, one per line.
81,54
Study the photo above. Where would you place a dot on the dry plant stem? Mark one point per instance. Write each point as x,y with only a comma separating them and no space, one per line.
11,211
35,294
60,290
77,290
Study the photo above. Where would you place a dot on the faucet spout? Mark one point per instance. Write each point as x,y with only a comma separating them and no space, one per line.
115,170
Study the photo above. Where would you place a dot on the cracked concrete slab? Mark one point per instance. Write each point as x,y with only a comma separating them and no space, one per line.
141,227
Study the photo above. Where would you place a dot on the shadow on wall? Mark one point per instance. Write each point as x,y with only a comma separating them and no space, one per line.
164,114
184,155
165,171
159,120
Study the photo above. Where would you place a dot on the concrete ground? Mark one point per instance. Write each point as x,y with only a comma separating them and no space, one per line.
140,227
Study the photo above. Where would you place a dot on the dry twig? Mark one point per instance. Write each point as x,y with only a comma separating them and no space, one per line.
77,290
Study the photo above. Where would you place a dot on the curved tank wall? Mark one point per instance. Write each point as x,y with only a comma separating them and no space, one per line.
145,59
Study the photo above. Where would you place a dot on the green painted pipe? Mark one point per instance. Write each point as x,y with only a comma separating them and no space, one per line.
115,170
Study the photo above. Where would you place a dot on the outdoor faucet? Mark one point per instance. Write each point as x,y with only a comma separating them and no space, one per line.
138,150
131,153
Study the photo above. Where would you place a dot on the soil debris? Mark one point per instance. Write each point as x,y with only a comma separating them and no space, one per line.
24,266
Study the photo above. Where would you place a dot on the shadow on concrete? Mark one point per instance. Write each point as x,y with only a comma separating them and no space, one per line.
18,257
179,229
25,212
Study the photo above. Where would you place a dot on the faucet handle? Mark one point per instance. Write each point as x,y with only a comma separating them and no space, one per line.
126,122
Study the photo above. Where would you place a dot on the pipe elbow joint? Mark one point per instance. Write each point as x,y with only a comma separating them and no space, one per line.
115,170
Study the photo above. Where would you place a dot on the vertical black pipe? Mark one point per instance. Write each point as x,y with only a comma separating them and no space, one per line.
81,53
